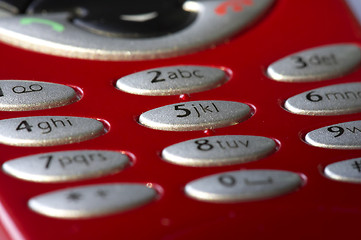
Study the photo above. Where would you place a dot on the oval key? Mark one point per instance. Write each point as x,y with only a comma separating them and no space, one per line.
345,135
92,201
219,150
243,185
172,80
197,115
20,95
48,130
330,100
315,64
66,165
345,171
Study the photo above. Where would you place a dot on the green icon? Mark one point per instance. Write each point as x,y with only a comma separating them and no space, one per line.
56,26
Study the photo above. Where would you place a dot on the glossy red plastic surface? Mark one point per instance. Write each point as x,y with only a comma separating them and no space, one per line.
320,209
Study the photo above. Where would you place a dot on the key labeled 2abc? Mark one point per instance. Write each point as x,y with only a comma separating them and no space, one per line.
172,80
195,115
49,130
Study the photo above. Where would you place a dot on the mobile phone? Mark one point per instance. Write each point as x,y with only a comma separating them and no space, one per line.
204,119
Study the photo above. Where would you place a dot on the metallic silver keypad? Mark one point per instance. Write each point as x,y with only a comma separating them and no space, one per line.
172,80
219,150
315,64
215,23
345,171
330,100
48,130
243,185
21,95
92,201
196,115
66,165
346,135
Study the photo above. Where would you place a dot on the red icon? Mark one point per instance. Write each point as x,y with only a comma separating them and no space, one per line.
234,5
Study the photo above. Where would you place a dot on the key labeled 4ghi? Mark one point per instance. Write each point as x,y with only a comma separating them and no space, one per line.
48,130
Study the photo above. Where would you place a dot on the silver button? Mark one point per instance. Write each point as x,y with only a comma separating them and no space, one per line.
345,135
243,185
330,100
216,21
319,63
172,80
48,130
66,165
19,95
346,171
92,201
197,115
219,150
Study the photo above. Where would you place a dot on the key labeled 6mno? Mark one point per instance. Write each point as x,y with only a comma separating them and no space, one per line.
196,115
48,130
330,100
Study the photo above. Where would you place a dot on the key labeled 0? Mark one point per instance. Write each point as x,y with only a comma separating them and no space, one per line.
48,130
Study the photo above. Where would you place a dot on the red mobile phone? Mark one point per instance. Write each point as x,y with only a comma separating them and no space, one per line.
204,119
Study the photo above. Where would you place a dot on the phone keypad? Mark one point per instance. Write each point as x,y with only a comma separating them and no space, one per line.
195,115
219,150
19,95
344,135
48,130
243,185
93,200
330,100
66,165
315,64
172,80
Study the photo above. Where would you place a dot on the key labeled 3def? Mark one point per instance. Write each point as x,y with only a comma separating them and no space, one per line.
219,150
196,115
172,80
316,64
